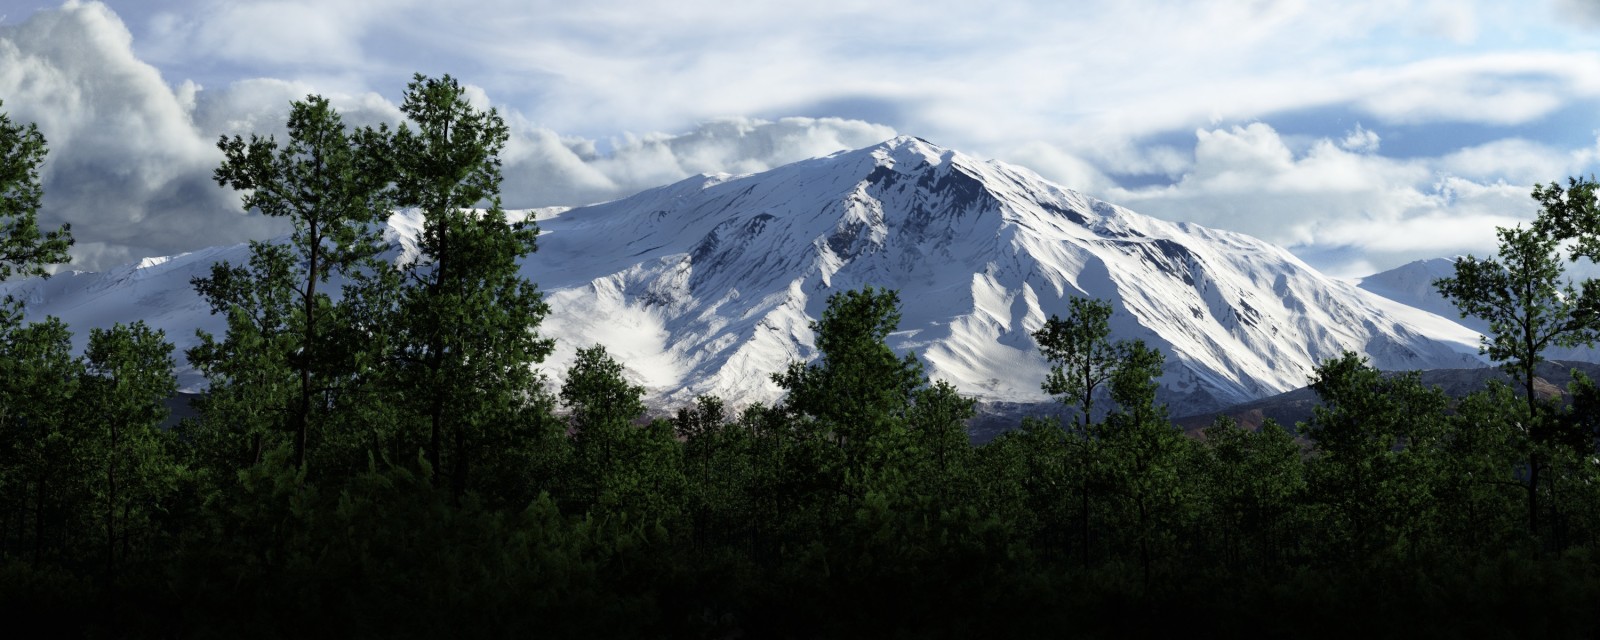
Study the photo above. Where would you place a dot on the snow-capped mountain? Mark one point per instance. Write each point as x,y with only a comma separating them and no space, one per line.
1411,284
708,285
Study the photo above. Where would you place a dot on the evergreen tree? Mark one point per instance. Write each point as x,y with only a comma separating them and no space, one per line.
1252,481
330,185
42,461
1530,308
464,320
128,380
939,442
245,408
1144,456
1132,456
1478,491
1081,355
857,388
25,249
603,406
1373,468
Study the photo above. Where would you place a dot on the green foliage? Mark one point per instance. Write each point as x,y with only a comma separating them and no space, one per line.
1252,483
330,184
603,406
42,467
1525,300
128,379
857,388
25,249
244,413
1375,436
1081,355
1531,307
378,457
1571,213
1141,461
463,322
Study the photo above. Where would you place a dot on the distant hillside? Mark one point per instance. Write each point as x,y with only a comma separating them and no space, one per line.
1298,405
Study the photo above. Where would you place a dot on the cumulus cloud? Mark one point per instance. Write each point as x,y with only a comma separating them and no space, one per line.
968,74
130,157
1360,140
126,166
543,169
261,106
1351,209
301,34
1083,96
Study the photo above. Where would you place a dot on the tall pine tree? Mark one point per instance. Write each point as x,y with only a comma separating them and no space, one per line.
1530,307
330,184
465,320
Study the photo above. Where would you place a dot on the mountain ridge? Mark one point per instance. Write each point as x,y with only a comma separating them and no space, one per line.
708,285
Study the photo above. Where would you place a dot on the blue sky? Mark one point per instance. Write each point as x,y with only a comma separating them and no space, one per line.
1360,134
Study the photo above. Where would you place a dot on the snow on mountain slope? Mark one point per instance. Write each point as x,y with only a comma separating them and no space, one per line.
1411,284
708,285
155,290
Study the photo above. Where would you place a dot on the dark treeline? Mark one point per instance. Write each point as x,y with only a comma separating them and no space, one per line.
382,459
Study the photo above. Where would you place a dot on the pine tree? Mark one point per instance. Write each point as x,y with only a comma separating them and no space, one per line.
858,388
602,405
1143,454
1251,481
1375,438
1530,308
127,380
244,412
331,186
42,441
1081,354
38,376
25,249
465,318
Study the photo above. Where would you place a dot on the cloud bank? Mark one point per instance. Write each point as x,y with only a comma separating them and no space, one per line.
1360,136
1340,204
130,156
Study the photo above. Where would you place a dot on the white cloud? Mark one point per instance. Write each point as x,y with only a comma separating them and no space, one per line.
261,106
542,168
1586,12
131,157
1516,160
1081,94
126,167
970,75
1061,166
294,33
1360,140
1354,208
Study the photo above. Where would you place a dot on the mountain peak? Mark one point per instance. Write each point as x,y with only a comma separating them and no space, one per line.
709,285
908,152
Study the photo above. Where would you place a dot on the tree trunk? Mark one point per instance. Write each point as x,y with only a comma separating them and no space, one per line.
1533,454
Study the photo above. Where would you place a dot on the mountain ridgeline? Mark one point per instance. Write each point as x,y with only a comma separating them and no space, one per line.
704,286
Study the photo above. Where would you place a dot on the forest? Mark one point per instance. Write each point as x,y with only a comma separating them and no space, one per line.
377,454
